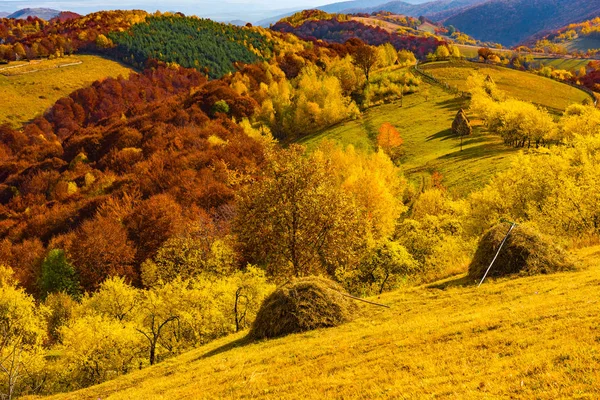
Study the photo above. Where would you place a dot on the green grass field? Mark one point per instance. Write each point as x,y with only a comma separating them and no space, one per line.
545,92
428,142
25,96
520,338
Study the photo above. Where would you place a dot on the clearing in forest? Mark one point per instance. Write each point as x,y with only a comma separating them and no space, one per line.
429,145
29,89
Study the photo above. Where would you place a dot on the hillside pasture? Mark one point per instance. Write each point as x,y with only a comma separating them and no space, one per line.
29,89
429,145
525,338
544,92
569,64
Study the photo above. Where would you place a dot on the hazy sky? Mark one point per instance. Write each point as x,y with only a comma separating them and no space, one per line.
250,10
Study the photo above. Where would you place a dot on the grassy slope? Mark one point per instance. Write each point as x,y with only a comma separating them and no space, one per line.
26,96
428,143
471,51
569,64
525,338
545,92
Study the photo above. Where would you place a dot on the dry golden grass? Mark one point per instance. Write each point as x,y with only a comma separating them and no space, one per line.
527,338
29,90
526,86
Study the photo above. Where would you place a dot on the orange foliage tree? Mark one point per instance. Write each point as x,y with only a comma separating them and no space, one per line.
389,140
100,249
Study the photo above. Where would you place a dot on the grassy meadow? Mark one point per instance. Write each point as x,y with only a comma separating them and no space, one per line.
545,92
30,89
429,145
569,64
521,338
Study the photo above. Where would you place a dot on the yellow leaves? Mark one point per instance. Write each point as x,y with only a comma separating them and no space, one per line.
374,183
216,141
103,42
519,123
22,333
386,55
115,299
557,189
96,348
579,120
7,276
406,58
442,53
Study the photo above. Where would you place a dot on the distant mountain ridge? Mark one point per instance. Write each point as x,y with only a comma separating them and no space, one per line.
43,13
511,22
441,8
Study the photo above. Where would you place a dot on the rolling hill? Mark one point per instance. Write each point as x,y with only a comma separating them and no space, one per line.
534,337
511,22
544,92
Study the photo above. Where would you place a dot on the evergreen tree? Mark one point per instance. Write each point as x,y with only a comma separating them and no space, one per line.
58,275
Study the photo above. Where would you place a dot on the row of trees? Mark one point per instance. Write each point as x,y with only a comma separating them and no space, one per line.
519,123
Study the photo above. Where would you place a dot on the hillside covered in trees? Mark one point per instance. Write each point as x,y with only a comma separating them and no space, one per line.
511,22
192,43
335,28
33,38
580,39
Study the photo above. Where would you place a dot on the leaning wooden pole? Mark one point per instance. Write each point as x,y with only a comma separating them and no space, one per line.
363,300
497,253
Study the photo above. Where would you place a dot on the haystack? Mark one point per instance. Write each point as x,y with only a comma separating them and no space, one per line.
525,252
302,305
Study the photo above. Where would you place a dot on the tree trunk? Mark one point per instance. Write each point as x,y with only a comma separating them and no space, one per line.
153,351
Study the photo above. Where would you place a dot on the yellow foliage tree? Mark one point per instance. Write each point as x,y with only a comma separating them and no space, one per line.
96,348
22,333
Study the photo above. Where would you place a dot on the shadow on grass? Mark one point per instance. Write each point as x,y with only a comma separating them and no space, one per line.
442,135
469,140
461,281
241,342
484,150
451,104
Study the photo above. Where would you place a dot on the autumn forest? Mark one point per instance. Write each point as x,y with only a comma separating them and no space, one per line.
144,216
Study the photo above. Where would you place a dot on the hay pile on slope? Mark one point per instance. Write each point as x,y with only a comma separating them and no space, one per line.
525,252
304,304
